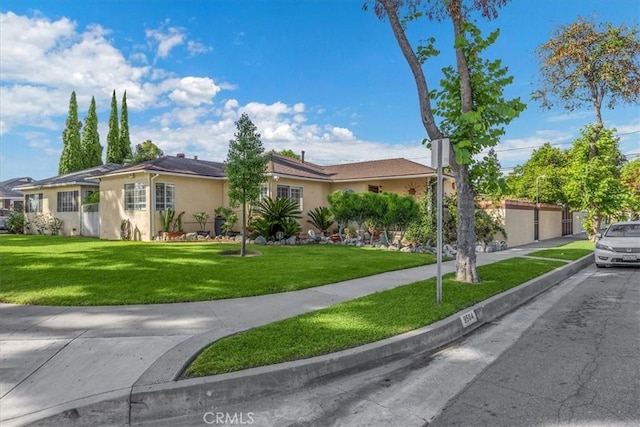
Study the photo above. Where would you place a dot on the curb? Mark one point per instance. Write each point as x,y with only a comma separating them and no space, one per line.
168,400
149,403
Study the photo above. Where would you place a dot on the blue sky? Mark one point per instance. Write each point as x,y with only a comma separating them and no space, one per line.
320,76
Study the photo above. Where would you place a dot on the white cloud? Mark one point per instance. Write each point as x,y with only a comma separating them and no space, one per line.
166,40
194,91
196,48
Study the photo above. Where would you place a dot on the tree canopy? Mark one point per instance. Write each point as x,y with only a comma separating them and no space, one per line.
113,135
542,177
588,64
91,148
71,159
593,182
146,150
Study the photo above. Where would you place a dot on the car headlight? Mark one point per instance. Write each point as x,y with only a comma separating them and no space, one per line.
605,247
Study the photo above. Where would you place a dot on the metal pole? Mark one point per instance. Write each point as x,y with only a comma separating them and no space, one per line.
439,225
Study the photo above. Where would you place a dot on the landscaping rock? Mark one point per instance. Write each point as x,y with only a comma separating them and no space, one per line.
260,240
291,241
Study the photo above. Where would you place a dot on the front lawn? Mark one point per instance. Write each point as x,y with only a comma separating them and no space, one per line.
570,252
363,320
51,270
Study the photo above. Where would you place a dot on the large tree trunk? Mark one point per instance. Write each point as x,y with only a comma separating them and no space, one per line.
466,270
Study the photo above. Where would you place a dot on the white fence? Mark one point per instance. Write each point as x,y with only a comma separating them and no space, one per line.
90,220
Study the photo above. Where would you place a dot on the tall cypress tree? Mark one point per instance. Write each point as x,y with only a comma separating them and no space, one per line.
125,140
71,157
91,148
113,136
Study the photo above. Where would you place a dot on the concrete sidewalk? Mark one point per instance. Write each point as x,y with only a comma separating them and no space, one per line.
56,358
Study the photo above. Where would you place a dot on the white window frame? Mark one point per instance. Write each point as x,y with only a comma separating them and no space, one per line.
291,192
135,196
167,199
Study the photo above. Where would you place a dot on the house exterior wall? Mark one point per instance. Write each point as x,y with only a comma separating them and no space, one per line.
314,194
550,222
398,186
71,221
192,194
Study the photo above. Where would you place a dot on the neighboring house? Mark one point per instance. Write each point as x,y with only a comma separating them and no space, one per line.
61,197
139,193
10,198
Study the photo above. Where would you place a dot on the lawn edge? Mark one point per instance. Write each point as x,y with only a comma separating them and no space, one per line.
179,398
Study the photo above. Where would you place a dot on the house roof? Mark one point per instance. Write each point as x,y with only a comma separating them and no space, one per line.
83,177
6,187
286,166
174,165
387,168
373,169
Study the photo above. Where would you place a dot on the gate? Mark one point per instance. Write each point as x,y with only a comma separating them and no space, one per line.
90,220
567,221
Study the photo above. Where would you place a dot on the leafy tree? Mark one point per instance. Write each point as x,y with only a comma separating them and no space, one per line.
287,153
146,151
71,159
593,182
342,205
91,148
124,139
630,176
486,176
246,169
542,177
471,101
114,154
589,64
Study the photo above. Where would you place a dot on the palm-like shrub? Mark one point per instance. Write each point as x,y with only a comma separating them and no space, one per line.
276,215
321,218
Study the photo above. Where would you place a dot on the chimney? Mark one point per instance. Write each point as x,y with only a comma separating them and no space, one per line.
302,156
180,155
195,157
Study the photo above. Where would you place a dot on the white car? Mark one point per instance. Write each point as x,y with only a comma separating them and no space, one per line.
618,245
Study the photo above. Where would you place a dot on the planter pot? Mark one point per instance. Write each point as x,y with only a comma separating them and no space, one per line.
173,235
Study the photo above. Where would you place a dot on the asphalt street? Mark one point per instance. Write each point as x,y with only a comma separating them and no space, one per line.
567,358
578,365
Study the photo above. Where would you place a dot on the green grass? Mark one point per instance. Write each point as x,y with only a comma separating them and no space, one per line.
50,270
571,251
364,320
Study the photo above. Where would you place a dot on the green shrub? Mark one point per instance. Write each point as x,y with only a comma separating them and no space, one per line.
321,218
15,223
276,215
